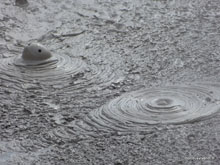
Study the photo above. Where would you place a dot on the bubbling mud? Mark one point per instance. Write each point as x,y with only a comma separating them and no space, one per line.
35,52
49,71
37,64
137,110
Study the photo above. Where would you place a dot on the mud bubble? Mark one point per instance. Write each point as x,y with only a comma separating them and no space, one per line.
38,63
62,72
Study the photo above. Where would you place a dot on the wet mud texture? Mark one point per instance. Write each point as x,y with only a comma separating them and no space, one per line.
135,82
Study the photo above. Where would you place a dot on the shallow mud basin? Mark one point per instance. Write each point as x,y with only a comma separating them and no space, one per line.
125,82
135,111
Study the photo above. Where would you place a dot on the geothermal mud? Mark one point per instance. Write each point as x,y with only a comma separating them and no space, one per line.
130,82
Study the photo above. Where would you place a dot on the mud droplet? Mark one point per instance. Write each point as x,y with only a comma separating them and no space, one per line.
208,99
191,138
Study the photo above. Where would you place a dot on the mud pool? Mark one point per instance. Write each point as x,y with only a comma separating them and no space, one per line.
129,82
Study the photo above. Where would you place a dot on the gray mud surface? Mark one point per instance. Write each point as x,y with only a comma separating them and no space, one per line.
92,106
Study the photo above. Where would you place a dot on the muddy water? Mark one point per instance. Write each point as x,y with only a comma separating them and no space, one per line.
113,94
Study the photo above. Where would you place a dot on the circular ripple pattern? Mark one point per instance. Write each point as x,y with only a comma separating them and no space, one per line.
171,105
54,71
59,71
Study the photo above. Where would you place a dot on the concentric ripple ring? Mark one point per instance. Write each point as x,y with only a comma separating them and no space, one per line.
59,67
165,105
37,65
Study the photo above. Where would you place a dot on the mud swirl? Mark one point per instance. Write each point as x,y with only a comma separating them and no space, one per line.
50,72
63,73
169,105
